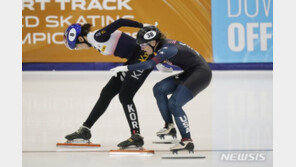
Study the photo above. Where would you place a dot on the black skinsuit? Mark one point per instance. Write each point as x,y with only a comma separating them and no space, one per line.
127,83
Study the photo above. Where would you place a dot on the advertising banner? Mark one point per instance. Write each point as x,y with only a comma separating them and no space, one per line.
242,31
44,22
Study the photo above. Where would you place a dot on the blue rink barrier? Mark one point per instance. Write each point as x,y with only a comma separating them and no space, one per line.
108,66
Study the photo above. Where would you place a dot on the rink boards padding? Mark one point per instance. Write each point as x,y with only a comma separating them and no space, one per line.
97,66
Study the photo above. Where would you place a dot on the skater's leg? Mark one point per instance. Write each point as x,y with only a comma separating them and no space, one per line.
160,91
131,84
108,92
191,85
179,98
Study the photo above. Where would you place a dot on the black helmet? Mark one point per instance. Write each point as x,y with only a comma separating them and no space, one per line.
147,34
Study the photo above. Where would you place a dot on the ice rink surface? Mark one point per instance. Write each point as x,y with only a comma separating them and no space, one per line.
233,113
103,159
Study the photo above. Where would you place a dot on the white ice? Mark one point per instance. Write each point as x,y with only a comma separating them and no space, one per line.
233,113
103,159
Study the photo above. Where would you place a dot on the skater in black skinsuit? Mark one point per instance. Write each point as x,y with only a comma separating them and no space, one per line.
110,41
195,77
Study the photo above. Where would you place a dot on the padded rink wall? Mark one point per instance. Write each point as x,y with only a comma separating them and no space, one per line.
233,113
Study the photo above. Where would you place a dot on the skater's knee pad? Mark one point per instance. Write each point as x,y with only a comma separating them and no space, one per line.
125,97
107,94
159,89
156,89
175,106
172,105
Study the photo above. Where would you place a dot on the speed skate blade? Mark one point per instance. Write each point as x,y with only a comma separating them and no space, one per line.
162,142
78,147
170,141
141,152
183,156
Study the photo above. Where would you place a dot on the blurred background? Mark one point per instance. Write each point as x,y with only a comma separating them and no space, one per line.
61,86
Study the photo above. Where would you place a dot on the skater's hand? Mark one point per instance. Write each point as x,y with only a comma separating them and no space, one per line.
163,68
118,69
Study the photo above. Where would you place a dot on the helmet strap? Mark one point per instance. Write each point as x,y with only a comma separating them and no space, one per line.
85,41
155,47
151,46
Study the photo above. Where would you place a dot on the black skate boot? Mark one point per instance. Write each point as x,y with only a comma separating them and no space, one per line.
168,130
82,133
184,144
134,140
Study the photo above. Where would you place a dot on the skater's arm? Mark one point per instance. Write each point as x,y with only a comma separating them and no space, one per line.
103,34
164,53
122,23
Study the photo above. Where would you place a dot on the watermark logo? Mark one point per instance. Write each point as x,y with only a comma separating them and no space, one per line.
243,157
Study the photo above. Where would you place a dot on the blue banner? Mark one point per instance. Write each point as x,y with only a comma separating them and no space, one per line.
242,31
